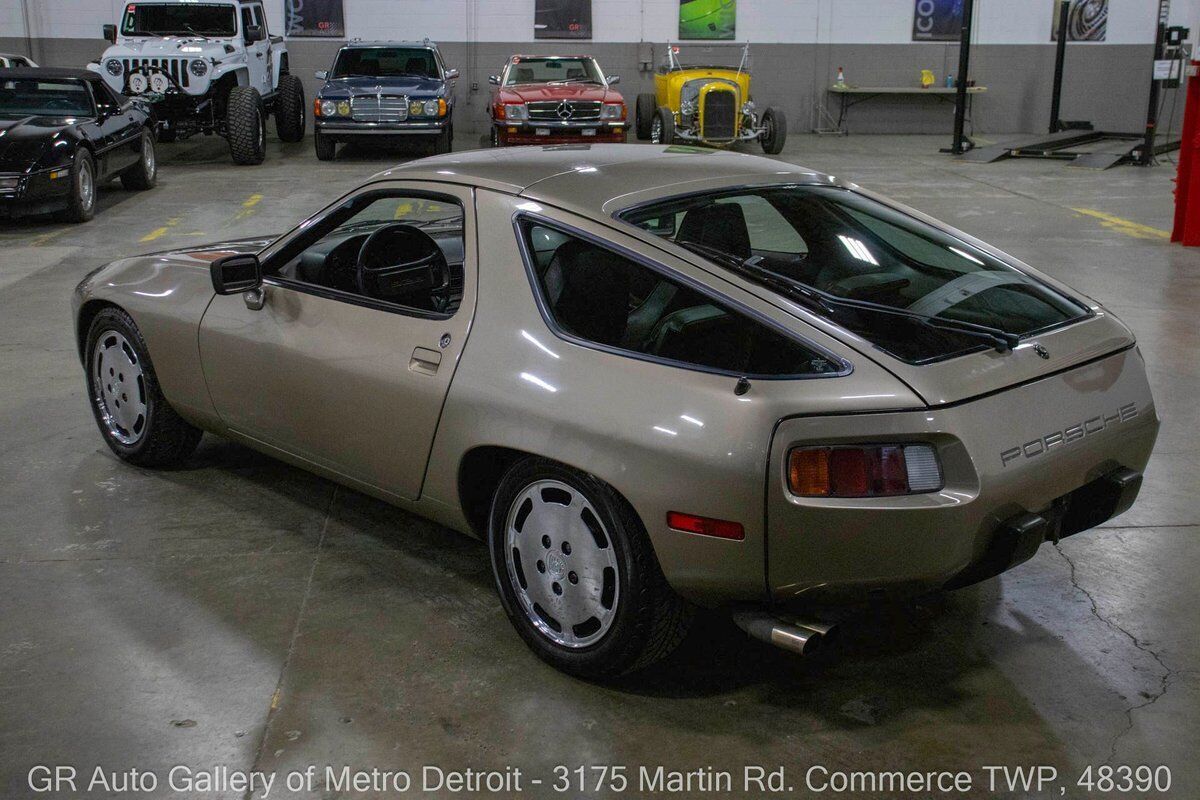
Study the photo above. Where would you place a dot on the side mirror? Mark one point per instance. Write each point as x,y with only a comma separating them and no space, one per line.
494,80
322,75
451,74
110,33
613,80
236,274
254,33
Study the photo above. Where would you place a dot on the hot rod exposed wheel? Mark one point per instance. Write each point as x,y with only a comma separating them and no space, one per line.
134,418
290,116
775,122
81,202
143,174
645,115
247,125
662,128
577,575
326,147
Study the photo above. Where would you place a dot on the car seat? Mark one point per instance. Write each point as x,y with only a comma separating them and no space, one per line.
588,290
721,226
524,75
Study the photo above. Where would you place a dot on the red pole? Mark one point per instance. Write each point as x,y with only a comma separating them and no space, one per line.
1187,180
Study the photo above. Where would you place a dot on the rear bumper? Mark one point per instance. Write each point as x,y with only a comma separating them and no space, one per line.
1036,462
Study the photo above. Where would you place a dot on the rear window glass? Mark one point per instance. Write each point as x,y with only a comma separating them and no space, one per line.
912,290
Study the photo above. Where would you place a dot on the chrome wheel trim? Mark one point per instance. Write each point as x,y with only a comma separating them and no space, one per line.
149,163
656,130
119,387
87,186
561,564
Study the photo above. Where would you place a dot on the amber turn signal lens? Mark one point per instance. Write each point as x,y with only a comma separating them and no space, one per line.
705,526
808,472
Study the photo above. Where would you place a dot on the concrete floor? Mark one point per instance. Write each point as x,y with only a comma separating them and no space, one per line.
241,612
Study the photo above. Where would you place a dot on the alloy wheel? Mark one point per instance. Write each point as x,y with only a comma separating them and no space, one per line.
562,564
119,387
656,131
87,186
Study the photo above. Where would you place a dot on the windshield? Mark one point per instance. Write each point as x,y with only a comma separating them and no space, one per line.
553,70
380,62
179,19
915,292
48,98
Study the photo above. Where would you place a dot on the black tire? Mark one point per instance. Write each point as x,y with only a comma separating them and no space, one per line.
167,135
494,138
144,174
648,621
246,125
666,119
441,142
326,148
291,116
645,116
775,121
164,438
81,203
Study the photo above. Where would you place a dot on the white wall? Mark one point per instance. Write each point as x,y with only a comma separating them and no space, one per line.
802,21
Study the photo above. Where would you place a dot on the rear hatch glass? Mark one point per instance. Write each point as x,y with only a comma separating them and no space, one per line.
917,293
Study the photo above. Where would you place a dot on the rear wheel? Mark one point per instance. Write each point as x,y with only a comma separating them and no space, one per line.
775,123
645,115
662,128
495,136
81,202
577,575
290,116
144,174
247,126
134,418
326,147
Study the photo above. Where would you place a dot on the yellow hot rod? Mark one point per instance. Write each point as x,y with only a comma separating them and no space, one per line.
709,105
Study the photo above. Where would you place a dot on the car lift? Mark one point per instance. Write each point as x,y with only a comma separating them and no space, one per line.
1118,148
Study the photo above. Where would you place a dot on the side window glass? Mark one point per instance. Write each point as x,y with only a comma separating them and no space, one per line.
766,229
394,248
247,20
595,294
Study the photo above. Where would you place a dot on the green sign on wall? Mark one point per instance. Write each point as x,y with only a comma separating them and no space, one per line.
707,19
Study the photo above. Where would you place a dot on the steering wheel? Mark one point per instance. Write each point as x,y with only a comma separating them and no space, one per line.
400,260
58,103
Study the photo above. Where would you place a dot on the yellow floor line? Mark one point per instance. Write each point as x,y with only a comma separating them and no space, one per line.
248,206
159,232
1125,226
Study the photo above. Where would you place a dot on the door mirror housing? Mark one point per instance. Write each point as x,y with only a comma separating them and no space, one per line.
321,75
494,80
254,33
236,274
110,33
613,80
451,74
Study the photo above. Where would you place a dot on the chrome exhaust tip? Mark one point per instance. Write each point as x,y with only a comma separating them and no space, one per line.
795,637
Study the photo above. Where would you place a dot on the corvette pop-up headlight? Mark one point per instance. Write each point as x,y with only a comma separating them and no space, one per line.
869,470
198,67
114,67
613,111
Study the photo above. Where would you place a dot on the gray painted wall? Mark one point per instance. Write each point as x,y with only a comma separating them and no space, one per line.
1107,84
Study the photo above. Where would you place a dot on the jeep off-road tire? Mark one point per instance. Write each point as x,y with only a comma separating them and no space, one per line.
290,113
81,202
645,116
144,174
246,124
563,544
775,121
136,421
326,148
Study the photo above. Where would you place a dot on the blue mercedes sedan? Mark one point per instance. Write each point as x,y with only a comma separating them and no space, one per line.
385,89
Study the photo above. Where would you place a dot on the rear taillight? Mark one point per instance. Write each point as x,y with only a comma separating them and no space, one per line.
871,470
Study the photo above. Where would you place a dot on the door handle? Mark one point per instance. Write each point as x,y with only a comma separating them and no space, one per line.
425,361
255,299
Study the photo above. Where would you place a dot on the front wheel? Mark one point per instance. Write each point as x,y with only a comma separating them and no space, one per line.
645,115
144,174
134,418
577,575
246,125
81,202
662,128
326,147
775,135
495,136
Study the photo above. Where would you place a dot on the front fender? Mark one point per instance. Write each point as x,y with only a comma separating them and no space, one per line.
240,72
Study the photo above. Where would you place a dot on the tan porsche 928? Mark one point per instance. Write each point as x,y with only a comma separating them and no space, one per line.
650,378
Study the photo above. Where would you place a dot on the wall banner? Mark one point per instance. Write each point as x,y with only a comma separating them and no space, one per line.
1087,21
562,19
707,19
937,20
314,18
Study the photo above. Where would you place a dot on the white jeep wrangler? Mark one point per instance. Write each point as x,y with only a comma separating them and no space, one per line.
206,67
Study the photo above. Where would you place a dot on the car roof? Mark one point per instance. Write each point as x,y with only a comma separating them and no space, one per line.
520,56
49,73
404,43
599,180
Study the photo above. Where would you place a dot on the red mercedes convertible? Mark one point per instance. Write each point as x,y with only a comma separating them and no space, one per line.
555,100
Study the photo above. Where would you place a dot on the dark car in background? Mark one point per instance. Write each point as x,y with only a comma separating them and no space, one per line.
63,133
555,100
377,90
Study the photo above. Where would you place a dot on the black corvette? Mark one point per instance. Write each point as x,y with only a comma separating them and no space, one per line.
62,134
